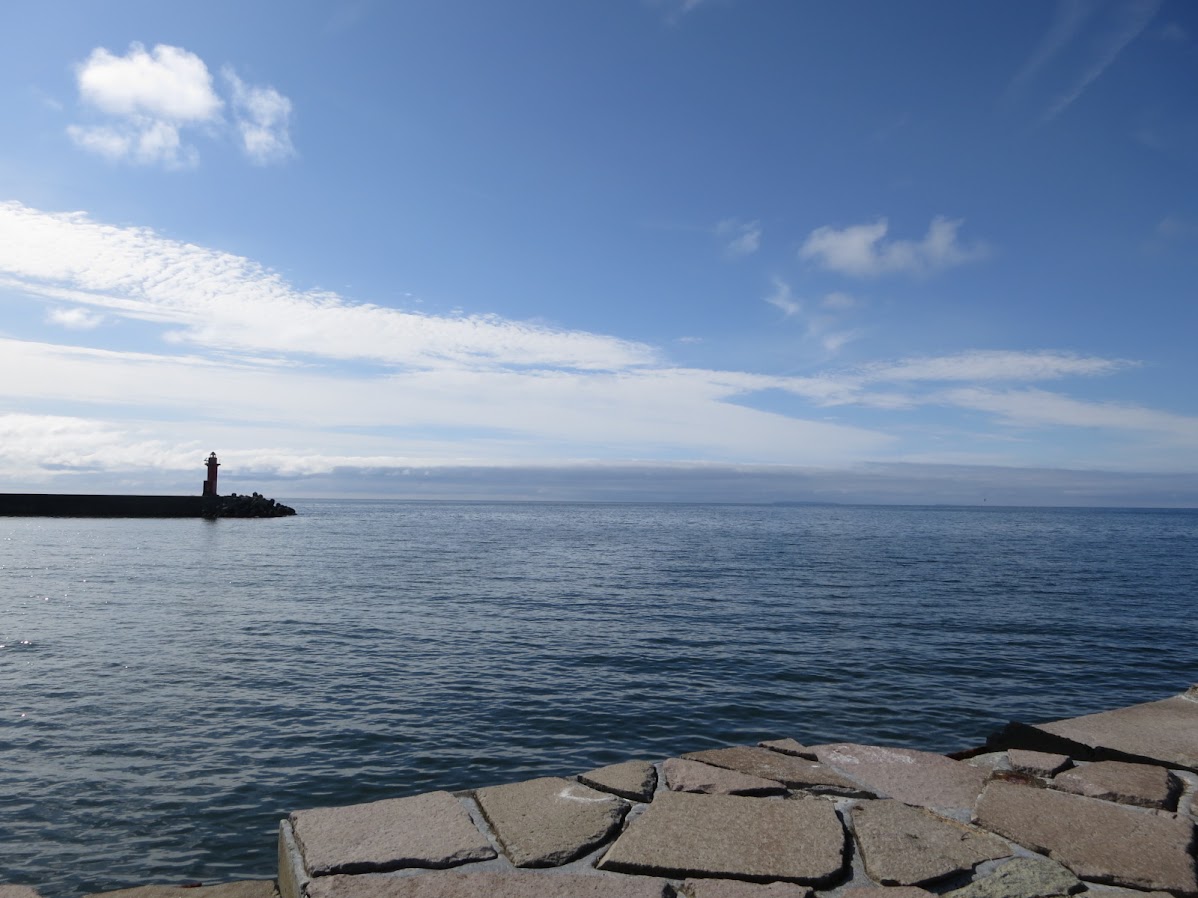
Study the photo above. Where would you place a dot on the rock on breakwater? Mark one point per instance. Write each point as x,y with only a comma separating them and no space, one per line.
841,821
252,506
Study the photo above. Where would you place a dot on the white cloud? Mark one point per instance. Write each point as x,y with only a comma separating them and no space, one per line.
75,319
219,300
834,341
167,84
922,377
744,237
993,365
34,447
783,299
1040,408
147,98
839,302
263,119
495,415
861,251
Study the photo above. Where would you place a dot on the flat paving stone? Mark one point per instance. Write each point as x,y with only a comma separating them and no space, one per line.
1038,763
246,888
906,846
1144,785
634,780
795,772
789,747
693,776
428,830
1024,877
1097,840
1165,731
761,839
728,888
913,777
522,884
549,821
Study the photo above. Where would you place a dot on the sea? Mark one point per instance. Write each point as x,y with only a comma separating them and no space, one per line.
170,689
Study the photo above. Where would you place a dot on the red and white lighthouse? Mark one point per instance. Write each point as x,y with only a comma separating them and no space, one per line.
210,483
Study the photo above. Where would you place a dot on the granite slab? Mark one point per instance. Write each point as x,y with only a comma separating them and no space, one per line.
682,834
549,821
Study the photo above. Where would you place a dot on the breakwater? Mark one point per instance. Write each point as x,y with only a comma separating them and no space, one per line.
1110,812
62,505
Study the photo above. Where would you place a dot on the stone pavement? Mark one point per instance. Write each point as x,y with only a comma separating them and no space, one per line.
1102,805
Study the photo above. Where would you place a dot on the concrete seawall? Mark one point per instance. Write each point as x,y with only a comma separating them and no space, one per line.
59,505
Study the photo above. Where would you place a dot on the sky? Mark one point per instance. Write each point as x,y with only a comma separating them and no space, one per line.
679,250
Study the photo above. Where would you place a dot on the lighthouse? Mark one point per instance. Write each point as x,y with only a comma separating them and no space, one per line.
210,483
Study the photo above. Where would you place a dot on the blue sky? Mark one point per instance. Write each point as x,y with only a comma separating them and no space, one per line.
689,249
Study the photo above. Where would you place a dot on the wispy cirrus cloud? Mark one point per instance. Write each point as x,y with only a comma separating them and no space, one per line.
219,300
742,238
263,119
825,323
1131,19
783,299
675,10
1082,42
140,105
75,318
922,379
1042,408
993,365
863,250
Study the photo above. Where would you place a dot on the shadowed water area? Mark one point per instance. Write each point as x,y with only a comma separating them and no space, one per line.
170,688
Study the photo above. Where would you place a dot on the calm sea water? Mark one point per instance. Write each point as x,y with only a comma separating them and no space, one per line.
170,689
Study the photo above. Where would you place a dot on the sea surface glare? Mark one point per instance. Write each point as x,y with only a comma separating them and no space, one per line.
170,688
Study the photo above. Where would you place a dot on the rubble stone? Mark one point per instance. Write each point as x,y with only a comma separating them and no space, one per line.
880,892
760,839
795,772
634,780
1038,763
789,747
428,830
253,888
549,821
1097,840
1140,784
902,845
1165,731
1024,877
730,888
693,776
521,884
913,777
